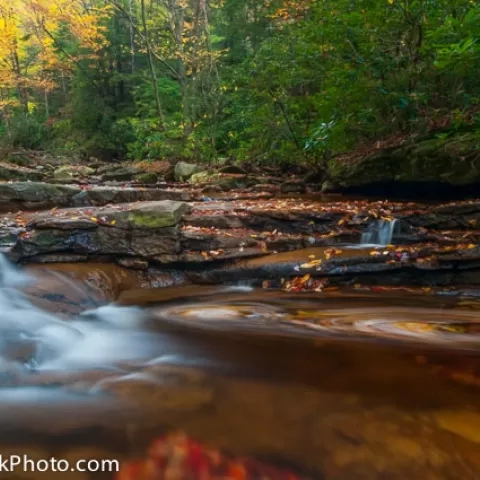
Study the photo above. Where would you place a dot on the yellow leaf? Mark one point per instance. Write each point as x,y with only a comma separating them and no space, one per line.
311,264
113,222
305,279
471,245
94,219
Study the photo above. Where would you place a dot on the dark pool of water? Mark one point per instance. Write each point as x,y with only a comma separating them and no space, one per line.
340,387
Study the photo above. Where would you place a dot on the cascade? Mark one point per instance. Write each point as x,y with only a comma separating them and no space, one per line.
379,232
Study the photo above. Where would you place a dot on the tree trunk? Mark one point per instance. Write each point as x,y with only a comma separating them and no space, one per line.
152,68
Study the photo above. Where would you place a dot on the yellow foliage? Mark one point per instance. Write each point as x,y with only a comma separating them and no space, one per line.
36,26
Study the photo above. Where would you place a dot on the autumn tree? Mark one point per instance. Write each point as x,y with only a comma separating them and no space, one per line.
279,81
33,48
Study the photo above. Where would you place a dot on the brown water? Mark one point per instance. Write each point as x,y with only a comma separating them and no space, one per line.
341,386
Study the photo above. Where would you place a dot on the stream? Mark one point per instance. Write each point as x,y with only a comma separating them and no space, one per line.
336,386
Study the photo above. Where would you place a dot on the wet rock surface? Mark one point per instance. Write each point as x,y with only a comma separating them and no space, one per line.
40,196
213,239
148,229
34,196
425,167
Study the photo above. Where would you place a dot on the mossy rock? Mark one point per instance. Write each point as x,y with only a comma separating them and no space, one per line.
73,171
152,215
455,160
203,177
183,171
146,178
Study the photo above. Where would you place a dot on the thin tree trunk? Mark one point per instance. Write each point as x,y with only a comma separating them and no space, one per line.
152,67
132,45
22,94
47,107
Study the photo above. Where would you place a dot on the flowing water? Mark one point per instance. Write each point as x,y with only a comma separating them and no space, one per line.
337,386
379,232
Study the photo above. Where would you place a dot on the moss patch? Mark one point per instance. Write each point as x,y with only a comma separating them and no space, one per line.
150,215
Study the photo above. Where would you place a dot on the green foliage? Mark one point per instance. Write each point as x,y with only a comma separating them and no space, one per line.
25,131
273,82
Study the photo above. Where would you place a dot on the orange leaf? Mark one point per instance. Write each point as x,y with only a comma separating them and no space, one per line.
305,279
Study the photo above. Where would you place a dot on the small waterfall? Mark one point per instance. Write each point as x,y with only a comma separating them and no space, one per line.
379,232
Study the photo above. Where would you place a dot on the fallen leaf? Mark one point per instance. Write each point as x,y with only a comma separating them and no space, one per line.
305,279
311,264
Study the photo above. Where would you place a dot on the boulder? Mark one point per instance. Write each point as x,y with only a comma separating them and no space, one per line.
68,171
435,166
108,168
124,174
183,171
225,181
146,178
19,173
202,177
30,195
144,230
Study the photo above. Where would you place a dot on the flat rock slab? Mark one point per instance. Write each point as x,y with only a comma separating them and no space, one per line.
386,266
10,171
145,229
215,240
98,196
41,196
34,195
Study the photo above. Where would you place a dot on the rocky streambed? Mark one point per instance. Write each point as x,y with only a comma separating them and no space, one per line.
311,241
375,329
